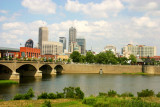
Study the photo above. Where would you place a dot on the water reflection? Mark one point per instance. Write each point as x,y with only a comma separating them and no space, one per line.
89,83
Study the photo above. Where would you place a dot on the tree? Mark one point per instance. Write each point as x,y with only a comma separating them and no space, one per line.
90,58
123,60
75,56
133,59
83,59
106,58
100,58
111,58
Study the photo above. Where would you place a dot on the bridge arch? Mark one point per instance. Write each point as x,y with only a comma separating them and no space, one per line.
26,70
5,72
46,69
58,69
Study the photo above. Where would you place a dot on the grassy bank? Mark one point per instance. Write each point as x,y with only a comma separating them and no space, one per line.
74,97
40,103
99,101
139,73
8,82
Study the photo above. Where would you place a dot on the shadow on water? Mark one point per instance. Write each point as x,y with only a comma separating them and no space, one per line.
27,80
46,77
58,75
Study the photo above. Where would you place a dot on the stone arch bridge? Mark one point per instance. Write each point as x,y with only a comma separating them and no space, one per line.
15,69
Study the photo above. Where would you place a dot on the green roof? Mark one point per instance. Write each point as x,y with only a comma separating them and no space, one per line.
9,49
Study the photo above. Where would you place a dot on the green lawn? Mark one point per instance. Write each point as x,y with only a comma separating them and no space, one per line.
8,82
138,73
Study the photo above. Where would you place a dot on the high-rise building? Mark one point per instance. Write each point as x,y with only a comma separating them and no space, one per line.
72,37
52,48
110,48
82,42
63,40
29,43
139,50
43,36
47,47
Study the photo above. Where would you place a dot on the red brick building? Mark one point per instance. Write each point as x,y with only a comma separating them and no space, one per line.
29,52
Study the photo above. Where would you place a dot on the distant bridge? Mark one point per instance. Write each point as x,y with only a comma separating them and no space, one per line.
15,69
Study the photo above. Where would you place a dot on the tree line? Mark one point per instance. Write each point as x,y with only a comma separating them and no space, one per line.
106,57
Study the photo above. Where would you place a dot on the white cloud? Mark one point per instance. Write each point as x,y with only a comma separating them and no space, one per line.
13,25
143,6
2,18
3,11
104,9
97,33
144,22
19,32
148,7
40,6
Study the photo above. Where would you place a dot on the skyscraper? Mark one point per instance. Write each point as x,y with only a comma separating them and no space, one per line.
48,47
43,36
63,40
72,37
82,42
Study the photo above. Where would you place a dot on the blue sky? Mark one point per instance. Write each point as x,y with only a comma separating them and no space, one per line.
101,22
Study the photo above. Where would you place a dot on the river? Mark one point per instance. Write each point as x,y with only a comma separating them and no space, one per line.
91,84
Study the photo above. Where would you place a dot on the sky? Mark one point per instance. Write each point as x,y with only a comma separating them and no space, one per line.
100,22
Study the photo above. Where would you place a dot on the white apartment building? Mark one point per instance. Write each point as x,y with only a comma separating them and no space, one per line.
139,50
110,48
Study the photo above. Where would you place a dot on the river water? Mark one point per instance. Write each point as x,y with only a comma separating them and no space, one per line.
91,84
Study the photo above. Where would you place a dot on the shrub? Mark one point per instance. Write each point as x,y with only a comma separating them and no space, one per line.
101,104
89,101
79,93
52,96
60,95
145,93
112,93
30,92
18,97
158,95
26,96
69,92
46,104
102,94
127,94
43,96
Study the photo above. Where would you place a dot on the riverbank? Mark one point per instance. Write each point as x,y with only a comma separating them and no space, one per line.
87,102
139,73
74,96
39,103
8,82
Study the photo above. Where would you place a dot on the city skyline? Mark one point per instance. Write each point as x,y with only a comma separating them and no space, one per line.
101,22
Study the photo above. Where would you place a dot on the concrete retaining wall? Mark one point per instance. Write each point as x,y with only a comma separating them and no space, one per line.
152,69
95,68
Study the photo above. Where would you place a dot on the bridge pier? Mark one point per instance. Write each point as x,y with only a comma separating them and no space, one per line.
53,72
38,74
14,76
